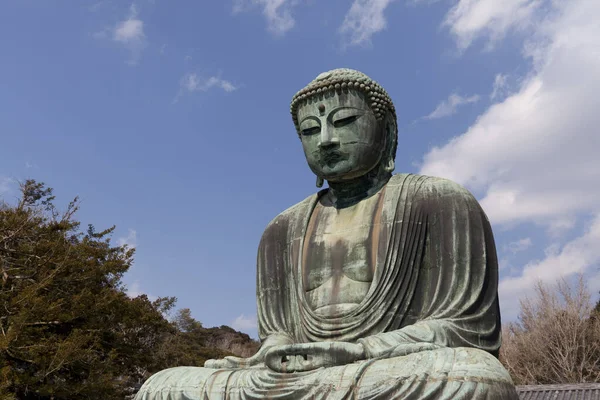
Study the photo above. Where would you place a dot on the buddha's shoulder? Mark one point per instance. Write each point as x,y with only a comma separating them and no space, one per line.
292,214
426,186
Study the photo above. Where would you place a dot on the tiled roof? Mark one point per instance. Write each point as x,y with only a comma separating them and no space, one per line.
580,391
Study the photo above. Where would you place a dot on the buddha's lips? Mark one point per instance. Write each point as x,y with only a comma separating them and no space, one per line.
331,156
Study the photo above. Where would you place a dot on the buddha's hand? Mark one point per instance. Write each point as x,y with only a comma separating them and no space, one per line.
310,356
231,362
405,349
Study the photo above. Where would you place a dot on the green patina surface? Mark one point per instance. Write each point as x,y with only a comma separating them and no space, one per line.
380,286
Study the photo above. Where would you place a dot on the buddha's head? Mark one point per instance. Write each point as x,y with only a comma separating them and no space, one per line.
347,125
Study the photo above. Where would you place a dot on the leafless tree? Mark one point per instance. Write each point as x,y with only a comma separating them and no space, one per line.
557,338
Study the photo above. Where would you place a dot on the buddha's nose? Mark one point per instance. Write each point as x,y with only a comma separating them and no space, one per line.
328,138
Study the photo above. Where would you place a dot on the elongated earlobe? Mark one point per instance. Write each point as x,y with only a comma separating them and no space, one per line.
392,132
390,165
320,182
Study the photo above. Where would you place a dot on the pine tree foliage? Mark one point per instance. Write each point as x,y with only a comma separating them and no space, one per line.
67,328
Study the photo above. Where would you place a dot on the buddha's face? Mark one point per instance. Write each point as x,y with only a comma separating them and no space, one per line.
341,137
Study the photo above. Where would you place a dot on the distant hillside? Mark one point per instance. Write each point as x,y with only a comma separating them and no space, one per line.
191,344
229,340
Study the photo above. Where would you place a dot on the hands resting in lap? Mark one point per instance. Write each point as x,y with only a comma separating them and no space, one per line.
310,356
296,357
302,357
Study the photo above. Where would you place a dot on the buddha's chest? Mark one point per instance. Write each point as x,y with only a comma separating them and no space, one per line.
339,250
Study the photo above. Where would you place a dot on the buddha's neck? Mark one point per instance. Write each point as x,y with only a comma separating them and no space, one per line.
347,193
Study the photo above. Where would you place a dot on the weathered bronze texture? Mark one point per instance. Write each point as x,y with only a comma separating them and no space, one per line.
379,287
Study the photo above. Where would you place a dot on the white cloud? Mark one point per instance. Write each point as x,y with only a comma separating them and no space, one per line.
500,86
277,12
192,83
450,106
492,18
363,20
135,290
130,240
535,154
578,256
560,224
244,323
128,33
226,86
519,245
130,30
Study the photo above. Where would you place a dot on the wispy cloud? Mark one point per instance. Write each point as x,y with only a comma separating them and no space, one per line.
130,240
129,33
244,323
450,106
534,154
560,224
499,87
364,19
135,290
192,82
491,19
277,12
577,256
519,245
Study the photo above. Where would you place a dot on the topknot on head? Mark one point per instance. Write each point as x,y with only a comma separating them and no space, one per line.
342,80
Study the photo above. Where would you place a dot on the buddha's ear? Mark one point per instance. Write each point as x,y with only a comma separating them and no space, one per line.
320,182
390,165
391,133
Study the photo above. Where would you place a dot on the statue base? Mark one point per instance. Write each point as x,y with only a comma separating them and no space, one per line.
460,373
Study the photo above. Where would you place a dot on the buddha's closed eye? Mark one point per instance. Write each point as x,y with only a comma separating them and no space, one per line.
345,121
311,131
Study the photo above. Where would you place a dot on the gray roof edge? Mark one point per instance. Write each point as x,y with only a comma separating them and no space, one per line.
561,387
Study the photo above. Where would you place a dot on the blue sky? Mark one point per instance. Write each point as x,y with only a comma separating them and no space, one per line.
171,121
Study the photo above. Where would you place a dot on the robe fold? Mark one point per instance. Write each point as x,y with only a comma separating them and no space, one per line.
435,283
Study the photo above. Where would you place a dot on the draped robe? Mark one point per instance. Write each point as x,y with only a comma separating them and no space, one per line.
435,282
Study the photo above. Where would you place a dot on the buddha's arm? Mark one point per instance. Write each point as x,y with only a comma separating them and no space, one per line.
258,358
456,296
274,293
424,335
273,304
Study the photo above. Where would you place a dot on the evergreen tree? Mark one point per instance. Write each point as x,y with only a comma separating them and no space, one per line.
68,330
